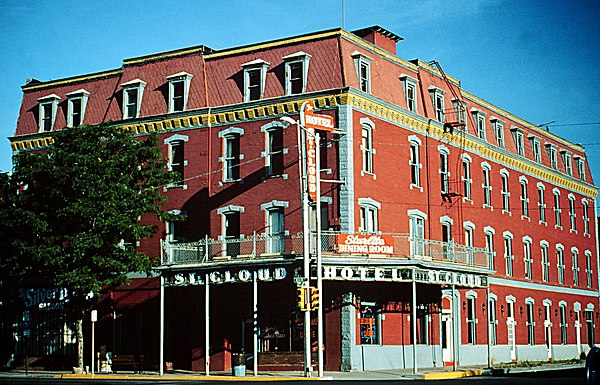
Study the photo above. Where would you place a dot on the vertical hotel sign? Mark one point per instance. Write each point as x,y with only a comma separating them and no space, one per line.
311,122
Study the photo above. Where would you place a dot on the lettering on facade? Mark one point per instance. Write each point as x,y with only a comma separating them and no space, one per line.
365,244
218,277
393,274
44,298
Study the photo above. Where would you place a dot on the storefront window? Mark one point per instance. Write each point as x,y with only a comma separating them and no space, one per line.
369,324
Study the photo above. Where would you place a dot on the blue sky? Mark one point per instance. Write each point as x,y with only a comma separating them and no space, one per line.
539,60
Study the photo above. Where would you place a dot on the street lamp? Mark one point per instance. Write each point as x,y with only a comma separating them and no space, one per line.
304,169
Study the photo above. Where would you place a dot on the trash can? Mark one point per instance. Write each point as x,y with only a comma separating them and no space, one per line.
238,362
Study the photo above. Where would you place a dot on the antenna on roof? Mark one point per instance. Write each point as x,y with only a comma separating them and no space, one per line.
546,126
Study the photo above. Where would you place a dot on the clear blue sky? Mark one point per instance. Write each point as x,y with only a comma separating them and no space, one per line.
539,60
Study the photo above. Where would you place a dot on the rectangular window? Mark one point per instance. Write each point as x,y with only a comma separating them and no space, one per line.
446,238
417,236
444,173
415,165
557,210
580,168
467,179
499,131
560,265
296,77
274,152
489,248
508,255
563,324
253,87
481,126
505,194
75,112
367,148
231,233
572,215
542,205
365,77
575,268
487,188
177,95
131,103
275,231
460,111
493,321
368,219
536,148
552,156
545,263
438,104
471,321
422,325
568,163
232,157
177,160
411,99
588,268
370,322
524,200
586,218
530,325
46,116
519,142
527,259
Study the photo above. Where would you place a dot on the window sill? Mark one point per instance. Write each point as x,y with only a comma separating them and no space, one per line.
507,212
488,207
174,186
416,187
524,217
363,173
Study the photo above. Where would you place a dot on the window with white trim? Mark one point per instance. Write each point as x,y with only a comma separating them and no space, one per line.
524,198
588,268
536,148
519,140
568,161
417,232
575,266
409,85
369,215
505,191
437,99
560,263
177,161
508,253
444,172
466,177
179,89
274,225
231,153
255,74
542,202
530,321
471,318
460,109
362,64
486,185
493,319
562,305
296,72
48,106
446,235
489,246
479,119
580,163
367,145
77,102
552,155
274,150
498,131
230,229
133,92
527,257
545,263
557,210
415,161
572,214
585,215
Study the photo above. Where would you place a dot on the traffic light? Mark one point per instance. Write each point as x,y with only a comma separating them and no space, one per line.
314,298
301,298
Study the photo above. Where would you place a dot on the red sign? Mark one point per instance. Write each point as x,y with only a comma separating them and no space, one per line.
311,165
310,120
365,244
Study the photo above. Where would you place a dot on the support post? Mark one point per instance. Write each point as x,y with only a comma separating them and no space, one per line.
320,342
207,325
489,331
306,246
454,329
255,324
414,323
161,353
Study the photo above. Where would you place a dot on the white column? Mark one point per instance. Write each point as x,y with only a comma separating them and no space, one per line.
207,324
161,354
320,342
255,324
414,322
306,244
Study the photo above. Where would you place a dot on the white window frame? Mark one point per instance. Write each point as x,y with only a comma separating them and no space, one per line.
479,120
580,163
369,215
471,297
47,102
467,177
410,83
460,109
527,258
184,78
552,155
588,268
536,148
530,321
560,263
444,170
171,142
575,265
138,85
302,58
261,67
542,202
489,246
362,61
563,322
269,129
366,146
567,158
544,247
226,212
228,135
524,197
505,192
82,96
498,126
486,184
557,209
275,239
586,217
572,214
415,161
519,139
493,319
417,220
508,253
437,100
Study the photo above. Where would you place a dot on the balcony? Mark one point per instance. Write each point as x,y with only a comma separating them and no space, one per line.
399,248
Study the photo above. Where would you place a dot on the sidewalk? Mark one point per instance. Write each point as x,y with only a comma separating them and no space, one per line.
392,374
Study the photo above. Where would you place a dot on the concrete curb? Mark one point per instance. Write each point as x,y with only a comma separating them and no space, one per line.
175,377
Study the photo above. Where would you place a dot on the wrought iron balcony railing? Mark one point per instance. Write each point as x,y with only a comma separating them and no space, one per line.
398,246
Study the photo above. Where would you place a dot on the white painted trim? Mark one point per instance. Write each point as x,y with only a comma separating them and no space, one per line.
541,287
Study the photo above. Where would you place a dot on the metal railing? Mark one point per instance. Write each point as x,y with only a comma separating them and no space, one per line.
208,251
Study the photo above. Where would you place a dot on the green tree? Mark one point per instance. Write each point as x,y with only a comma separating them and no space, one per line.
71,211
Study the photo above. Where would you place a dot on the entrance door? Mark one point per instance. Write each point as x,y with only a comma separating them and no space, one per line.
548,329
446,336
510,323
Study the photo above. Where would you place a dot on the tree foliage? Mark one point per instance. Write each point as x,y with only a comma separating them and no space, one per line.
71,212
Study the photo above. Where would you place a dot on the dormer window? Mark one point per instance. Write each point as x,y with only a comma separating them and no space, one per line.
179,88
519,141
580,162
362,64
479,119
552,155
437,98
255,73
132,98
296,72
77,101
536,148
409,85
498,126
568,161
48,106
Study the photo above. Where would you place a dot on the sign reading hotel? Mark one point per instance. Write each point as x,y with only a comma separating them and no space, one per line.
365,244
311,122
